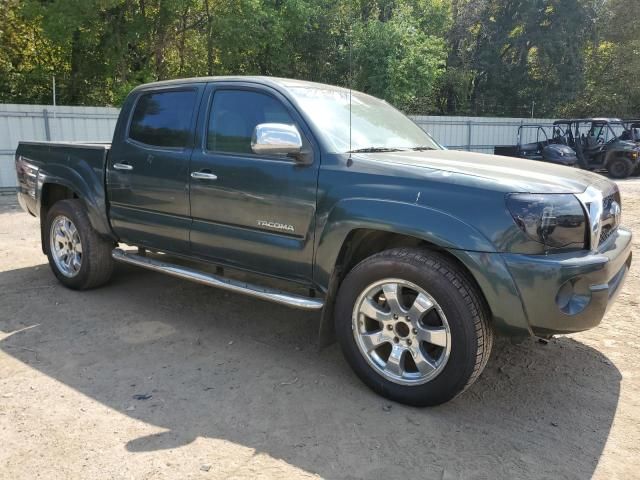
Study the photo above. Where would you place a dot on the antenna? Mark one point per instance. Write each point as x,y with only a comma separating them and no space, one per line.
349,79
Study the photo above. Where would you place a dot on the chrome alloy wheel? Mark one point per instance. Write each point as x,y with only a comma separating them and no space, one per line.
401,331
65,246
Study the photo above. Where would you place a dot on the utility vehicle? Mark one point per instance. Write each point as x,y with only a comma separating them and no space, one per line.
542,148
600,144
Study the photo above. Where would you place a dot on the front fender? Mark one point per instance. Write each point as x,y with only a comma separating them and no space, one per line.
460,239
433,226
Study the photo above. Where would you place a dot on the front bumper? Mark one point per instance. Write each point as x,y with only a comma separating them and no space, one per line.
570,292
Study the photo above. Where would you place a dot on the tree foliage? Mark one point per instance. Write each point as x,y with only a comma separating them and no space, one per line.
493,57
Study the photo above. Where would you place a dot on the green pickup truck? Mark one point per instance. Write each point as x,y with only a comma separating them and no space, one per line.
415,255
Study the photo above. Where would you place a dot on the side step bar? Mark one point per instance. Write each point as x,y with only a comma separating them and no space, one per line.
270,294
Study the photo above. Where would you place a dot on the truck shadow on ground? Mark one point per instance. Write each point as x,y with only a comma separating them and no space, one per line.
224,366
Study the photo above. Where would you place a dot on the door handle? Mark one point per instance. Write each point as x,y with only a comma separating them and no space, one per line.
122,166
204,175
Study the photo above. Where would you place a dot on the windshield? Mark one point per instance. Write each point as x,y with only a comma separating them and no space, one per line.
607,132
619,130
375,125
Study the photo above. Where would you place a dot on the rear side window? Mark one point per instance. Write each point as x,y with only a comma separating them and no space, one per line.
163,119
234,116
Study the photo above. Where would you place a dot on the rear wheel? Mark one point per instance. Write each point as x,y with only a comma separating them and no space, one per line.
78,256
412,326
620,167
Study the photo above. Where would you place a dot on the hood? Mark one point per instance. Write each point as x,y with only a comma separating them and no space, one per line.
627,145
565,149
509,174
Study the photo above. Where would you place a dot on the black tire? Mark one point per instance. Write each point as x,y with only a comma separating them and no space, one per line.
464,307
620,167
96,264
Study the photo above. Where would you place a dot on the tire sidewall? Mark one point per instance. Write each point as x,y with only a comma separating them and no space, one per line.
627,168
464,344
79,219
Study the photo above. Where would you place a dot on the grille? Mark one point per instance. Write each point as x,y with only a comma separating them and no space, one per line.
605,233
608,223
609,199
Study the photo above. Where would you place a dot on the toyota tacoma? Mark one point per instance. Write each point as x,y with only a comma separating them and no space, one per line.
415,255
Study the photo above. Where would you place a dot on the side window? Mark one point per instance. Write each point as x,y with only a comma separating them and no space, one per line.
163,119
234,116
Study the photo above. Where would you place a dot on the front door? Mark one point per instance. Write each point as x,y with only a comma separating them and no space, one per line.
255,212
148,169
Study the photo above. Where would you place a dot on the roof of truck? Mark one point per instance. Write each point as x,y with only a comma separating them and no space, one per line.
263,80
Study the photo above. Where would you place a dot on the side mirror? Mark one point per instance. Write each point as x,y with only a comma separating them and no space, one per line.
276,139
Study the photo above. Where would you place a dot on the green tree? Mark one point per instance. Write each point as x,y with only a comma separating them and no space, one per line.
493,57
613,63
395,56
28,59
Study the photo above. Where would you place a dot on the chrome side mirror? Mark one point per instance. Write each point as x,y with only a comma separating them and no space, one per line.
276,139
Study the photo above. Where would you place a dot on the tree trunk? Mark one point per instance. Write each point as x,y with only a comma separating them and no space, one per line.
74,94
209,29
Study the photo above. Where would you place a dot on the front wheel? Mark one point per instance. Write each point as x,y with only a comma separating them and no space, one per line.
413,326
78,256
620,167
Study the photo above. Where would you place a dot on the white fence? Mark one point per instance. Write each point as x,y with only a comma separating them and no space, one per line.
479,134
40,122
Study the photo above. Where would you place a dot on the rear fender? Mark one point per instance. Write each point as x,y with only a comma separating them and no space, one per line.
86,185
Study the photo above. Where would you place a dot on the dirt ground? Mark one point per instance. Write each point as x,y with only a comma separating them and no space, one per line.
235,388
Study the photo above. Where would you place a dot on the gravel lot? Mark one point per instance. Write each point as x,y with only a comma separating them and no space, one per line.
230,387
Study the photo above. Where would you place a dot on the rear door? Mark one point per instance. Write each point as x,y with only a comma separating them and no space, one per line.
148,168
256,212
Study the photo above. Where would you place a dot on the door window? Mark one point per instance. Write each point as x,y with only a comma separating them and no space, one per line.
234,116
162,119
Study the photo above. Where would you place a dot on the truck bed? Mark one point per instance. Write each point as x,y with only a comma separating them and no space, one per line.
78,165
69,144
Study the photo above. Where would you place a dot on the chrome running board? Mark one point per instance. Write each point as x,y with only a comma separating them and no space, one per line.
272,295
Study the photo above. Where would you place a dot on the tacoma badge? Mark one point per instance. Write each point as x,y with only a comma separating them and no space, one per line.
276,225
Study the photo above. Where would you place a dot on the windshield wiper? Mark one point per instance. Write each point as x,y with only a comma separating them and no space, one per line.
422,149
376,149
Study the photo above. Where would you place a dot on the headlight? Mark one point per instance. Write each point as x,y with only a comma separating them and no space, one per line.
555,220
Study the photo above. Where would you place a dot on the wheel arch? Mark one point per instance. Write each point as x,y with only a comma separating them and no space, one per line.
351,234
61,183
382,220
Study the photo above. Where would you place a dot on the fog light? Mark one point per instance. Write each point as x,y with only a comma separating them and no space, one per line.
571,298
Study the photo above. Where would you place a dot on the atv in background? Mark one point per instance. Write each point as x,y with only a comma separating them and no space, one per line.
542,149
633,126
600,144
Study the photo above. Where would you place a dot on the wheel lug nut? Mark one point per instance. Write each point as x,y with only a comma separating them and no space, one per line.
395,317
389,327
415,331
409,342
395,339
